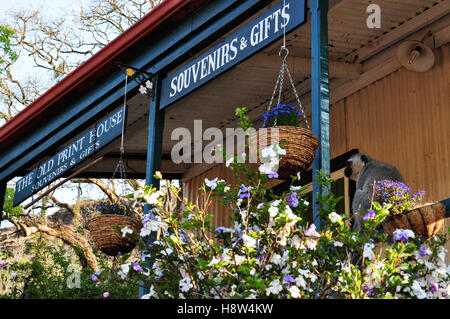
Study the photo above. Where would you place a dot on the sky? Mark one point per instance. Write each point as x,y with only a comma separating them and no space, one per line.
51,8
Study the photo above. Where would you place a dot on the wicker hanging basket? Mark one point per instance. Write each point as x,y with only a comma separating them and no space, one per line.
300,149
425,221
108,239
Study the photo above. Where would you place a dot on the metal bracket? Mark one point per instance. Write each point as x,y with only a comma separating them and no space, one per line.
145,80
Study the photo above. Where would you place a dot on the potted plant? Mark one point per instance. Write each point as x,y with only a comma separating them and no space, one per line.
114,229
407,211
283,122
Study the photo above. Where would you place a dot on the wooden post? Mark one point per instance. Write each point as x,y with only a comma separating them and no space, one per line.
320,95
154,151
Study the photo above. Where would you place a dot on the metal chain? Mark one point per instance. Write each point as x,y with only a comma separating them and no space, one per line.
280,81
120,164
297,98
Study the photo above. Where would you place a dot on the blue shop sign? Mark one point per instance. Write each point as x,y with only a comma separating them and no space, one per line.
250,39
71,155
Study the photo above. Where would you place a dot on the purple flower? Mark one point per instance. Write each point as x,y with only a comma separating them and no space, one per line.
221,230
136,267
273,175
105,294
31,257
288,279
424,251
94,277
403,235
369,215
3,264
311,231
244,192
292,200
13,275
367,290
434,288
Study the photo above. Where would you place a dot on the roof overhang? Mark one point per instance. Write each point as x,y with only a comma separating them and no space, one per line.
175,33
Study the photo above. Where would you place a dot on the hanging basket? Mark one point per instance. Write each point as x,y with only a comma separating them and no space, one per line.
424,221
300,149
104,232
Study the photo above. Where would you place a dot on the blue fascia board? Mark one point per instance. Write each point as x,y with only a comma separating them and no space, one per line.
208,20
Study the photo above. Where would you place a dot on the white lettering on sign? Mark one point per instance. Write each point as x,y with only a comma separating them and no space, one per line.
78,150
262,31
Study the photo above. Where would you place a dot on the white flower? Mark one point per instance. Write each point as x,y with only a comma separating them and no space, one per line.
214,261
337,243
368,253
142,89
126,230
295,188
274,287
149,84
152,225
268,168
295,241
279,150
273,211
311,244
268,152
167,251
418,291
239,259
229,161
153,198
276,202
291,216
124,269
226,189
294,291
276,260
249,241
185,284
211,184
334,217
300,282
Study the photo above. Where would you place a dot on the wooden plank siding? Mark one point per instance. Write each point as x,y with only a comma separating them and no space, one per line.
402,119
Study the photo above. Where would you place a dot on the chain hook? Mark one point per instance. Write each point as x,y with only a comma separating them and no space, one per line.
287,52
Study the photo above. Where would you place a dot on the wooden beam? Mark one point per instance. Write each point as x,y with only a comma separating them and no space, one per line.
382,64
302,66
386,62
404,30
196,170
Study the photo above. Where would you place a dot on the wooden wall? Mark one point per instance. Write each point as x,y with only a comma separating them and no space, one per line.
402,119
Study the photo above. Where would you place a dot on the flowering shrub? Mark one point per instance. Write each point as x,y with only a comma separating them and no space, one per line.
49,271
398,195
282,114
271,249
